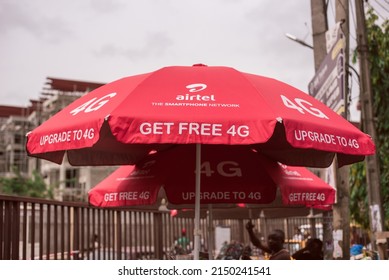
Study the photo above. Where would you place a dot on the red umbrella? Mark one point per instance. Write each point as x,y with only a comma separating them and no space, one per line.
122,121
229,175
237,176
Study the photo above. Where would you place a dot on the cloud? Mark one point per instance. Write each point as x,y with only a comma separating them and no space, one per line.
155,44
19,16
106,6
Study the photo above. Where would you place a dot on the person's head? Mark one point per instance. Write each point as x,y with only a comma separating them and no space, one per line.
315,245
275,240
246,253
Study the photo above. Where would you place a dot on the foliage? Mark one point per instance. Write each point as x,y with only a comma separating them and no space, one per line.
358,195
378,47
21,186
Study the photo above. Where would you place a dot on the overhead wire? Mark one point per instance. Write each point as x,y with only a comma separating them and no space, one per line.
376,11
382,6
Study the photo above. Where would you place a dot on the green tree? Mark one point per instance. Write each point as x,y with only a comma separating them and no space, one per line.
378,47
21,186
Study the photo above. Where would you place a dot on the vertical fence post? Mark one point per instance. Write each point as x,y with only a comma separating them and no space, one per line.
158,238
15,230
118,236
7,231
76,231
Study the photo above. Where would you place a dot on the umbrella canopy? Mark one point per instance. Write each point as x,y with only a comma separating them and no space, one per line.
122,121
228,175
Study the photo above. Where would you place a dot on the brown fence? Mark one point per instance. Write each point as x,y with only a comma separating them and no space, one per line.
45,229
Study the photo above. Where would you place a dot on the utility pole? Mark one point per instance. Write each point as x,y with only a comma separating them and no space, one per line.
341,209
367,118
319,28
338,247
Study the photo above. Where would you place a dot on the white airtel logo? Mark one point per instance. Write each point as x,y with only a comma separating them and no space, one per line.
196,87
195,97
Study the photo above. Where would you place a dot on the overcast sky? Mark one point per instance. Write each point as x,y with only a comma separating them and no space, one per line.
104,40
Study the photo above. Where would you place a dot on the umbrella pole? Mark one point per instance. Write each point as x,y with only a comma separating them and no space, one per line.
210,232
197,205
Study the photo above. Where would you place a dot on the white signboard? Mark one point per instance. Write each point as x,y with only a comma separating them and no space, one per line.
222,235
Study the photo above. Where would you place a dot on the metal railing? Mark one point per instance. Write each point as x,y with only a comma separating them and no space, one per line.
42,229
